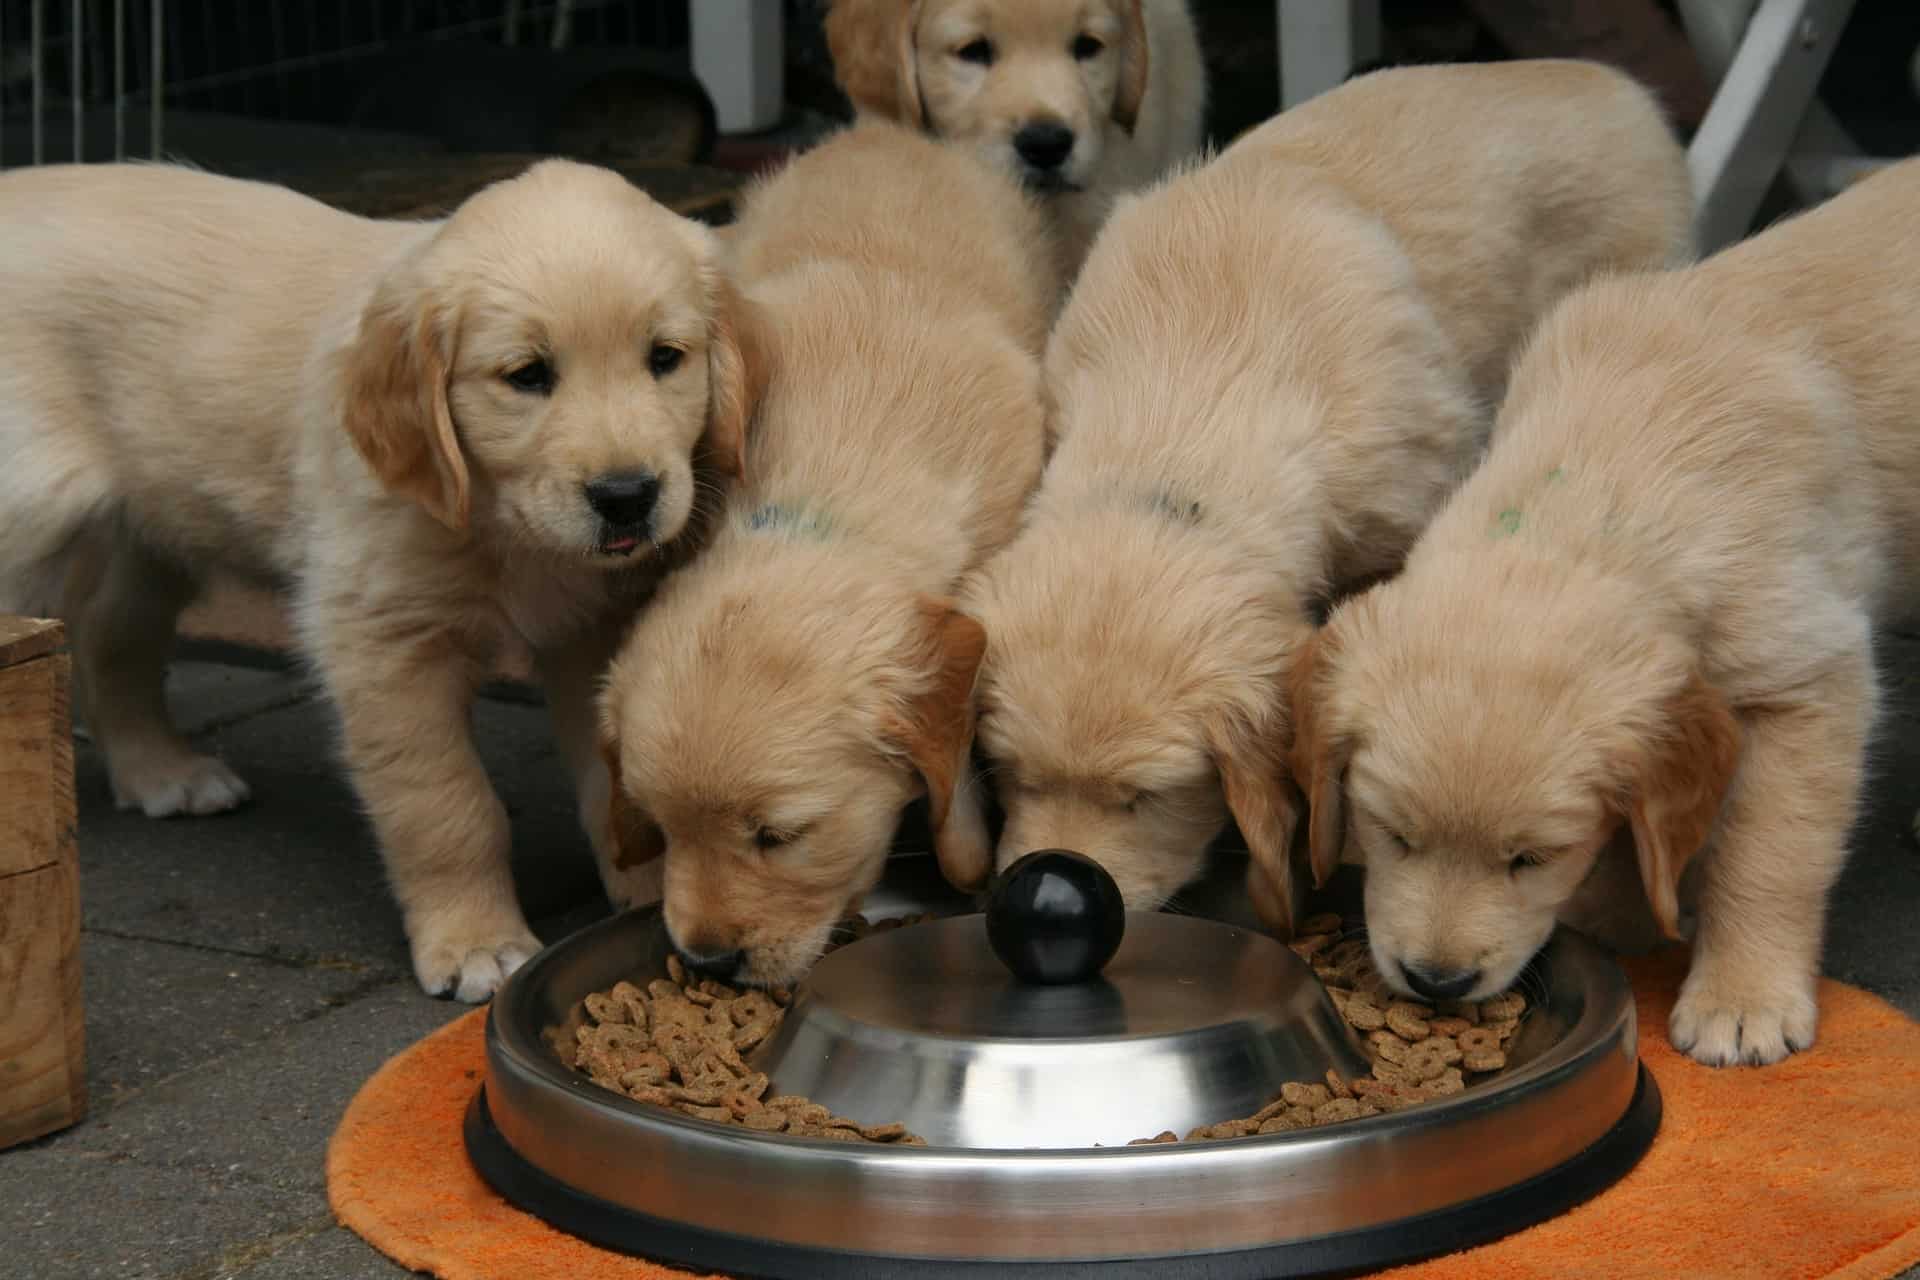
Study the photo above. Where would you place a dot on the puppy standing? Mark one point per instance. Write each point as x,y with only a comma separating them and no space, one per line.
1081,100
788,694
1269,375
443,436
1647,616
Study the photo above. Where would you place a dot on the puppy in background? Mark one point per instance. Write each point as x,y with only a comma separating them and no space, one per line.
1644,628
439,436
1081,100
788,694
1269,375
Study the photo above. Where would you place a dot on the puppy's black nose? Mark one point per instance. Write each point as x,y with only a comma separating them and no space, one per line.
1044,144
1440,984
715,964
624,499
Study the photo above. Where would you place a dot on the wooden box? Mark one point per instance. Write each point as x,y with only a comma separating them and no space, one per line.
42,1028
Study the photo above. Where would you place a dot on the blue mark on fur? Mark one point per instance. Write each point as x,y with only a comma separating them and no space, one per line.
772,517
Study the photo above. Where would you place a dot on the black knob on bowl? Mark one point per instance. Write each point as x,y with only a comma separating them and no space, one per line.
1055,916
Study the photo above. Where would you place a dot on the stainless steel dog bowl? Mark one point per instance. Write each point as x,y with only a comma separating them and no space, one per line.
1192,1021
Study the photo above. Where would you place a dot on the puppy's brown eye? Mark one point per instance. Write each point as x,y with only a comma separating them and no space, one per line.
1400,842
979,52
663,359
1525,860
535,376
1136,800
770,838
1085,47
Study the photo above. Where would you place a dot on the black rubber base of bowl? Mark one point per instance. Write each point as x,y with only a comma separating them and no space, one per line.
1442,1231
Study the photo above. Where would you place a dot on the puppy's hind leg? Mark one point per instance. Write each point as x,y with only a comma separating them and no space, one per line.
123,602
1749,996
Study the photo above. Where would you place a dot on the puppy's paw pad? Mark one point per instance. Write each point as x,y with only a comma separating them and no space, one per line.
471,972
187,784
1724,1029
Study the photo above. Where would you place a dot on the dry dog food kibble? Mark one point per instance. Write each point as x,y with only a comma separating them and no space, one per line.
678,1044
1418,1053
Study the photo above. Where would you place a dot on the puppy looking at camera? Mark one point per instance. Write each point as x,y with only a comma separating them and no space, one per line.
1644,628
1082,100
440,437
789,693
1269,375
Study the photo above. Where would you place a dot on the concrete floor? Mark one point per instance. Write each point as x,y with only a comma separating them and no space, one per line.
245,974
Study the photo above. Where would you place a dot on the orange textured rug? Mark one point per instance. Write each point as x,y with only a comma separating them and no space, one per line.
1806,1169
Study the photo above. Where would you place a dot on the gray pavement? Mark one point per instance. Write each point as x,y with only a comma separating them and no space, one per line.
245,974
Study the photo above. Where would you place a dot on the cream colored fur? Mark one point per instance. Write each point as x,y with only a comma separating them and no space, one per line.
1136,106
1644,627
201,373
788,694
1270,373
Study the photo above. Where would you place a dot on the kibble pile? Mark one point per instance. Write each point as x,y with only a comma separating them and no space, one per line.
677,1044
1419,1052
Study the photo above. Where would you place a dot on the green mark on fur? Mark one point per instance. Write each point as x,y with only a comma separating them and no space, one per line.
1507,523
771,517
1556,475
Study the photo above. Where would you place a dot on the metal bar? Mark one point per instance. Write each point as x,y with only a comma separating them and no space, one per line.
1321,42
1758,109
37,47
3,93
74,85
119,80
155,129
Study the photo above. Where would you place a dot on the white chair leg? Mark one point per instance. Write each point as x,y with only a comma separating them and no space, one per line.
737,57
1321,42
1759,110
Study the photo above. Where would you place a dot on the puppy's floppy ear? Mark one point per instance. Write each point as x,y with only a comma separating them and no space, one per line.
937,733
1677,787
1319,755
736,377
1134,64
395,401
1261,796
872,43
633,837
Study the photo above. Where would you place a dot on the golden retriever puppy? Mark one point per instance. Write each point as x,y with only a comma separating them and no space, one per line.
1081,100
1269,375
440,436
1643,628
787,695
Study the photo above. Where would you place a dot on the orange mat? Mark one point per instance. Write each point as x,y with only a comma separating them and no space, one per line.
1806,1169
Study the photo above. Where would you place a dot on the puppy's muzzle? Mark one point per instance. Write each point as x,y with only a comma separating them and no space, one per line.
1439,984
624,501
1043,146
720,965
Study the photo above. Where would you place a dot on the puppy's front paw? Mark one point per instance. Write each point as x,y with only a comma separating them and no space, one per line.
1754,1020
471,964
629,887
166,785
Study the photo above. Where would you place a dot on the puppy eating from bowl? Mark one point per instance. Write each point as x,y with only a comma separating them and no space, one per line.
1270,373
1081,100
1642,630
439,437
788,694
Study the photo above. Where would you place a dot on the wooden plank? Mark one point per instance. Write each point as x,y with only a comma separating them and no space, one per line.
42,1020
23,639
43,1080
36,765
